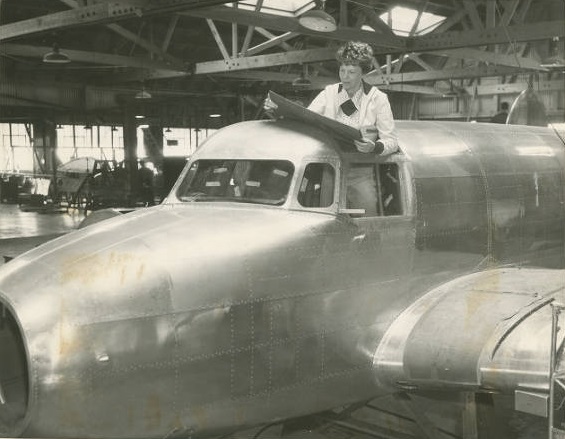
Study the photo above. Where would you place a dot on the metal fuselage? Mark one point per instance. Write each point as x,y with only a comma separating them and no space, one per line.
206,317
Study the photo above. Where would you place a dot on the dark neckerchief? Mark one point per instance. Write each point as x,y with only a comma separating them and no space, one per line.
348,107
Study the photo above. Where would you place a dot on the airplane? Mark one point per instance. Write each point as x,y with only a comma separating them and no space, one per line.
287,275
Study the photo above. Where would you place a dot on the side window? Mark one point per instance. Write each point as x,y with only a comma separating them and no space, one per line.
317,186
374,188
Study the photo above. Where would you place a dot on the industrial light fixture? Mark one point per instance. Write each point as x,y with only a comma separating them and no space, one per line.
88,127
59,127
556,59
114,128
318,20
214,115
56,56
553,63
168,130
143,94
301,81
139,116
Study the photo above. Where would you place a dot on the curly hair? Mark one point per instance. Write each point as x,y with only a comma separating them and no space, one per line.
356,53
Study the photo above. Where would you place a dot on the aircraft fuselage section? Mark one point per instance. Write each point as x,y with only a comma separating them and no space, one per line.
263,286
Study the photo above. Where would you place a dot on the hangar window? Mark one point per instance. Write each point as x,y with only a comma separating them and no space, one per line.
374,188
244,181
317,186
405,20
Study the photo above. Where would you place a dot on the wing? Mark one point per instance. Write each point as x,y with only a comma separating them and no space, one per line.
12,247
489,331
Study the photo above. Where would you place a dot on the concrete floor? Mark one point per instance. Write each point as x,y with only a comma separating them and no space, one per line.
21,230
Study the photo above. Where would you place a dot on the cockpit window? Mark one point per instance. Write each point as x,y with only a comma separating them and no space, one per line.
317,186
245,181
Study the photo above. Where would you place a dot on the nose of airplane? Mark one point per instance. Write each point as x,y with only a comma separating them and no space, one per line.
14,379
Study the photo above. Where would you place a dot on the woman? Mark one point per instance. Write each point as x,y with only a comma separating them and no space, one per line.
356,103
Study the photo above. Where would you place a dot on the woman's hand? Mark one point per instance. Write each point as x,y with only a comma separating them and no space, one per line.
269,106
364,145
367,146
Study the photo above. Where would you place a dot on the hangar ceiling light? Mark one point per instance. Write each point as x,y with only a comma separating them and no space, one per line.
56,56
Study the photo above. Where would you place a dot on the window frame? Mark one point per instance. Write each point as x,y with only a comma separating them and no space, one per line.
404,191
299,173
186,180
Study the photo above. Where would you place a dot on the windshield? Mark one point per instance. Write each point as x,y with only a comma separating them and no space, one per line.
245,181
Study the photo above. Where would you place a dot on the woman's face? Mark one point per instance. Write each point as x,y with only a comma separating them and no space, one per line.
350,77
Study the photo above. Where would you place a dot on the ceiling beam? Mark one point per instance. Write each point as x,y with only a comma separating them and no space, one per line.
272,40
517,87
498,35
372,19
250,30
247,63
96,13
290,24
265,75
260,61
450,21
101,12
385,44
471,10
408,88
414,57
275,41
116,61
491,14
152,48
491,57
521,15
218,39
318,82
380,79
479,71
170,31
509,11
161,52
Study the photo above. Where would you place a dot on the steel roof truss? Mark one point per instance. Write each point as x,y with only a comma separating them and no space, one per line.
161,52
471,10
491,57
218,39
479,71
517,33
285,24
96,13
509,11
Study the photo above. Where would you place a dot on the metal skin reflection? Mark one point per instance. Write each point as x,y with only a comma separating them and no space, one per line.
199,318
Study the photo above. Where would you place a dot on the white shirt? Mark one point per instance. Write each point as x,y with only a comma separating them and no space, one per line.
373,109
352,119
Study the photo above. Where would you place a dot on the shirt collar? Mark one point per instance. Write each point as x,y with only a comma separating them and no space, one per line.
366,87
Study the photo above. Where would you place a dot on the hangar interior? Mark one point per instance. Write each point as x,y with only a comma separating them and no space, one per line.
97,96
130,80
